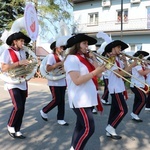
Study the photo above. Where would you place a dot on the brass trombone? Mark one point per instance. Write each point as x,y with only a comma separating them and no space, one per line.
139,59
109,62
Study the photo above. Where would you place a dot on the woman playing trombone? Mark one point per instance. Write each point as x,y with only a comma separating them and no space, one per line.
81,71
147,107
116,88
140,72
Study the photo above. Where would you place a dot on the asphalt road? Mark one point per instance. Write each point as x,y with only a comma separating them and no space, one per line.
49,135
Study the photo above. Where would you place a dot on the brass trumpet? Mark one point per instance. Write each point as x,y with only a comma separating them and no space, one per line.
110,62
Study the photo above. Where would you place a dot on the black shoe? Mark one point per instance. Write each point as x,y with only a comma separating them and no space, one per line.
45,119
66,124
115,137
20,137
12,134
137,120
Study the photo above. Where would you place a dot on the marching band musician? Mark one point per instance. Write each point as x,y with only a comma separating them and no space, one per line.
57,87
11,58
139,72
104,98
81,76
116,88
147,107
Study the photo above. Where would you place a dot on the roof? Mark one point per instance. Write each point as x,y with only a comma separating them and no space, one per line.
80,1
40,51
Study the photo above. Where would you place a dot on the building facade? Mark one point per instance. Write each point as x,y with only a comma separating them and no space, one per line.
128,20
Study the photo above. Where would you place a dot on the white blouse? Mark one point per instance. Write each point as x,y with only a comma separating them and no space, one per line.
6,58
116,84
84,95
136,74
62,82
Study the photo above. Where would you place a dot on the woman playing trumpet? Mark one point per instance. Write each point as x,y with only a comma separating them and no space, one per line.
11,58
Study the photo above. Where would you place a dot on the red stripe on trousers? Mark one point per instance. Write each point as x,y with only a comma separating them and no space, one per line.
141,105
86,121
11,119
106,91
53,100
121,108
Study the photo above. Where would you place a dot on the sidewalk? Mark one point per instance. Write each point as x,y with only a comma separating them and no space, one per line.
42,135
38,80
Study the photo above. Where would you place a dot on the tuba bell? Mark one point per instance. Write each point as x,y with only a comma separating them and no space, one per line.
56,74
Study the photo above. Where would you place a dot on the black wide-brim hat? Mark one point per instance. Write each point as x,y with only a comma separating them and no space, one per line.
148,58
115,43
53,45
138,53
80,37
103,54
16,36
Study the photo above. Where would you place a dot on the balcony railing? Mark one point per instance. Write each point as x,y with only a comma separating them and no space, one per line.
131,24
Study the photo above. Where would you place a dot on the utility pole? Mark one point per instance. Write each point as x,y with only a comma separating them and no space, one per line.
121,18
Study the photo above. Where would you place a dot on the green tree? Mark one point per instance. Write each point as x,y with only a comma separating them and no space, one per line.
10,10
49,12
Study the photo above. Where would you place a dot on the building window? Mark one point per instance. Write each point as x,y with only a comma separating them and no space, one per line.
132,46
93,18
136,47
124,16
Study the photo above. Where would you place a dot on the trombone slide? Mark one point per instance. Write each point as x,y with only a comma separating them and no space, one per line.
111,62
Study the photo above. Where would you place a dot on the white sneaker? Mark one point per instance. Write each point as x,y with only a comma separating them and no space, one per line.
110,130
18,133
94,111
147,109
71,148
134,116
43,115
104,102
62,122
11,129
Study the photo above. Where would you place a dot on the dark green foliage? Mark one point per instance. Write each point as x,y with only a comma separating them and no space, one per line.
50,12
9,11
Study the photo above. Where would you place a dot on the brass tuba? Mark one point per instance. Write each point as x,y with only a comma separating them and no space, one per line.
21,73
56,74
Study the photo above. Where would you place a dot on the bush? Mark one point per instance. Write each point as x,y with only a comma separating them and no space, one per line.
100,82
